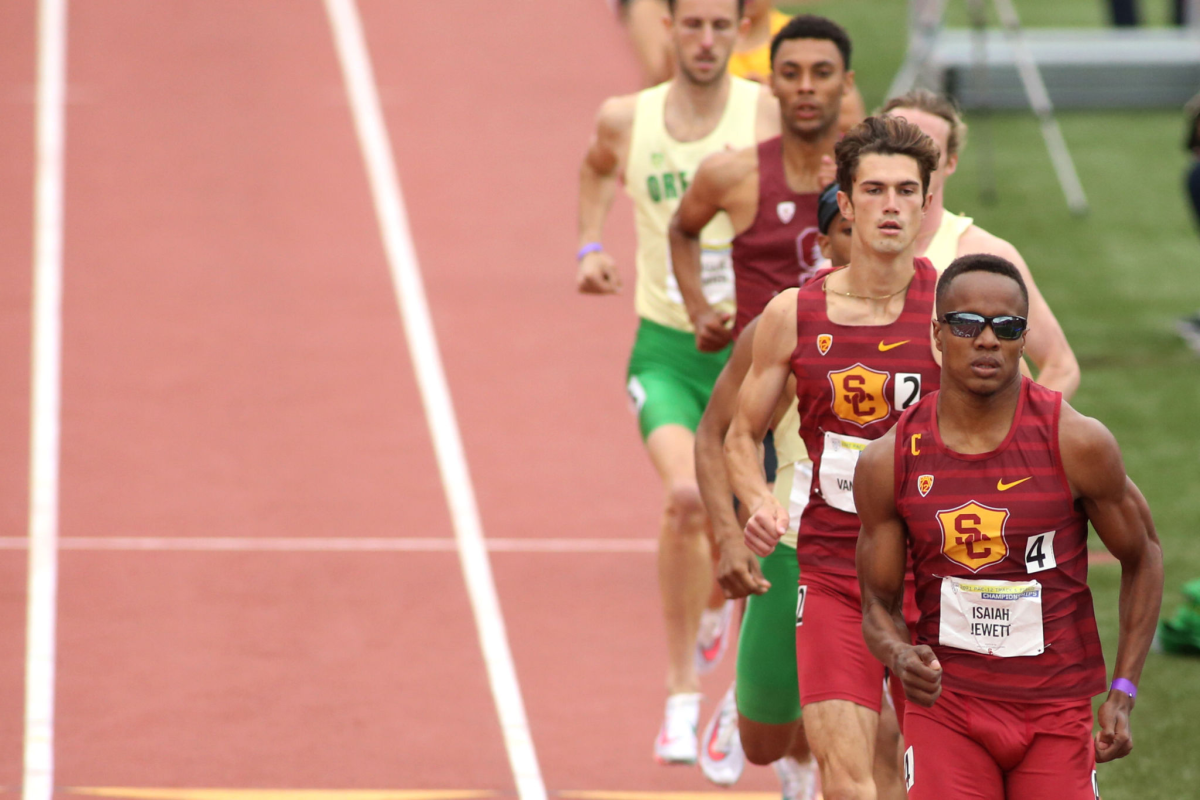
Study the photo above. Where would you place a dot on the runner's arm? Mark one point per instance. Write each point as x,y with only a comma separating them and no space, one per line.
774,342
737,568
597,272
1047,345
701,202
880,560
1122,520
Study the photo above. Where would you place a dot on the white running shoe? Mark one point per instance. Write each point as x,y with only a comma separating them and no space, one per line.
721,756
713,637
798,781
676,742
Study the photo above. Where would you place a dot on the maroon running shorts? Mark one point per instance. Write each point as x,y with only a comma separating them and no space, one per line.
972,748
832,659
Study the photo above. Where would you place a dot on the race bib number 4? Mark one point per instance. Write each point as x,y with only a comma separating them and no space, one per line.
838,459
995,618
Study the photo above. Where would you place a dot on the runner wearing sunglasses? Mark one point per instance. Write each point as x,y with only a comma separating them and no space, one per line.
857,340
986,487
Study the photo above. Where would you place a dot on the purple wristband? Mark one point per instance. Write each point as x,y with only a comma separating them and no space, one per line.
1126,686
590,247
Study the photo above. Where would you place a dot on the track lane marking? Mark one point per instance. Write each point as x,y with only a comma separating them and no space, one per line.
143,793
718,795
300,544
369,125
42,602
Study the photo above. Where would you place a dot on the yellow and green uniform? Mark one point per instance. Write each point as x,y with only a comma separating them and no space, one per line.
669,381
756,64
943,248
767,685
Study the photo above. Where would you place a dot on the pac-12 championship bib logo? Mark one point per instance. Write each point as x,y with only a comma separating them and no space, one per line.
824,342
786,210
858,395
973,535
924,484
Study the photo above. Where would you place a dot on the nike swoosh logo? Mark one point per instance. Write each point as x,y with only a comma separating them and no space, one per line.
713,752
1004,487
883,348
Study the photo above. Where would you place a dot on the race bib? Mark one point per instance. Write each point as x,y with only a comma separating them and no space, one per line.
996,618
838,460
716,276
801,489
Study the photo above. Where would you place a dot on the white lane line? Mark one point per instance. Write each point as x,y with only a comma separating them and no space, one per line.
333,544
435,393
38,777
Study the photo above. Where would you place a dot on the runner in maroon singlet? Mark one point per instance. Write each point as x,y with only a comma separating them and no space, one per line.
770,191
988,485
857,340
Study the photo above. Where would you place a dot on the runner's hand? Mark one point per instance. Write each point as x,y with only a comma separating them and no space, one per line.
738,571
766,527
598,274
918,669
827,172
712,331
1114,739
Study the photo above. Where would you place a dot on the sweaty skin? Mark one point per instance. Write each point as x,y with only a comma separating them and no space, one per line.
809,82
975,411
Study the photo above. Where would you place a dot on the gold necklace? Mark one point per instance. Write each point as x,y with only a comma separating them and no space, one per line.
826,289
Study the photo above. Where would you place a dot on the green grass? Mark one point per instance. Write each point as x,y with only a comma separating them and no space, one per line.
1116,279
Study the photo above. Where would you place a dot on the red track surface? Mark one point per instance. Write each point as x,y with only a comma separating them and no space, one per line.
234,365
17,81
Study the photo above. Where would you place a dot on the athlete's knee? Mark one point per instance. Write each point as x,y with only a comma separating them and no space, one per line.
846,779
845,788
763,752
685,508
763,744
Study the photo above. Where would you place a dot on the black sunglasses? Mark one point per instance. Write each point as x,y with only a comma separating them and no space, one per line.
968,325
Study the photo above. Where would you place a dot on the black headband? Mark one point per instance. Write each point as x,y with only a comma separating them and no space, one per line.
827,207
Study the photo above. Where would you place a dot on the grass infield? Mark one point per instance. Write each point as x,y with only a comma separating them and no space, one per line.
1117,279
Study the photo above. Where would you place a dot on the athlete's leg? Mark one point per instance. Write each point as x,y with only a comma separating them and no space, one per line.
684,560
889,754
841,684
644,21
765,743
768,696
842,737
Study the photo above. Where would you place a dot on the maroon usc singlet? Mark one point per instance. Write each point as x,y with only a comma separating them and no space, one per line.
853,381
999,549
779,250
